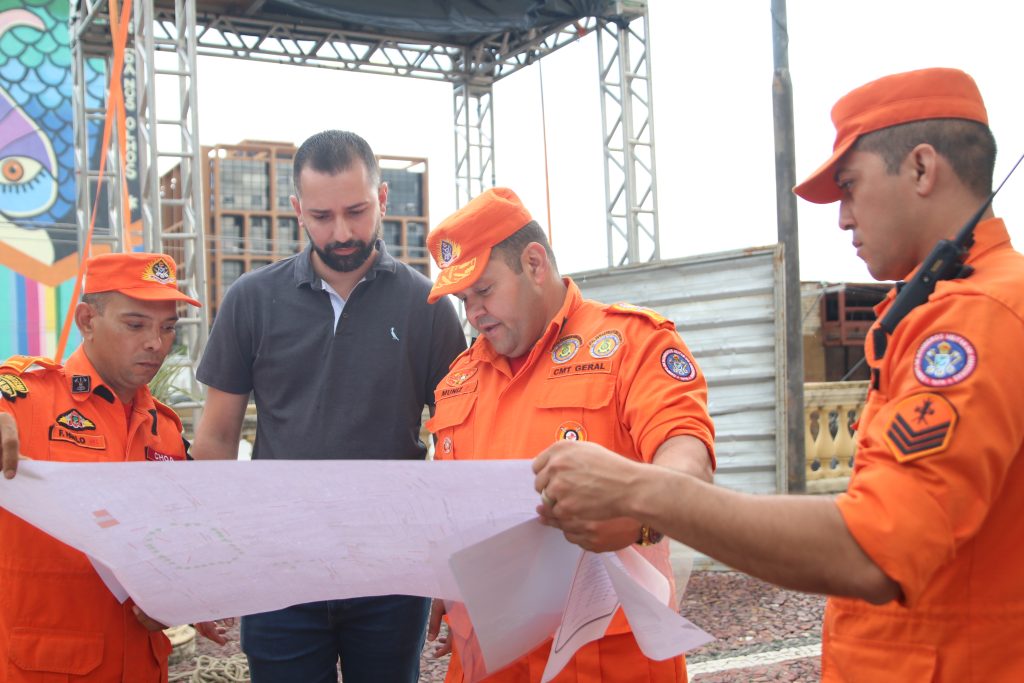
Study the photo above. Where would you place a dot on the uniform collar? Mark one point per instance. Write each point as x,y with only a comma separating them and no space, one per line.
83,381
483,351
305,275
989,234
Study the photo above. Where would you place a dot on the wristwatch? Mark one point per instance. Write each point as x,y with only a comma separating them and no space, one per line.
649,536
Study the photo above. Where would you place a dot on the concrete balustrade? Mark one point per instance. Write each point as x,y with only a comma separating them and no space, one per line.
830,411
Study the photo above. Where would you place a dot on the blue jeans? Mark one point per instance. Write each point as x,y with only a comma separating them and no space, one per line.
377,639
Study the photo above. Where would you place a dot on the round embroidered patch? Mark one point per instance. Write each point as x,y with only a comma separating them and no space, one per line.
459,377
446,445
565,348
571,431
944,359
605,344
677,365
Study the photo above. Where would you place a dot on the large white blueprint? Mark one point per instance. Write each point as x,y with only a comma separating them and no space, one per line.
204,540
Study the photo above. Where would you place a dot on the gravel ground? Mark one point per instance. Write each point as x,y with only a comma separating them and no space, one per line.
747,616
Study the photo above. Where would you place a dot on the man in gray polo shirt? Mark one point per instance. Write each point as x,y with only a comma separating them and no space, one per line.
341,351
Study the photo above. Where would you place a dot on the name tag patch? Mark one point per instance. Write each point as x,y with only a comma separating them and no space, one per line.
603,366
152,455
96,442
451,392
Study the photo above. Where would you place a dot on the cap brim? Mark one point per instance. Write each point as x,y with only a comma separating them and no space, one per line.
161,294
458,276
820,187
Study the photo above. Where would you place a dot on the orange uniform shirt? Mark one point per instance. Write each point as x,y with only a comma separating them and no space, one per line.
936,495
612,374
57,618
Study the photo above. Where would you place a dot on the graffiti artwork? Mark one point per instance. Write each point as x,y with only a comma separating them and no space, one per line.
38,233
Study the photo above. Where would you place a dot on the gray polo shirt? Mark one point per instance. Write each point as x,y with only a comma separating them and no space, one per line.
356,391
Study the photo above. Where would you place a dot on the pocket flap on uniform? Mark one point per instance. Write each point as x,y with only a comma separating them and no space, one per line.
68,652
863,661
577,391
451,411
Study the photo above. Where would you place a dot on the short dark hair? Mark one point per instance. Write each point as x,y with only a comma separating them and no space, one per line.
511,247
97,300
334,151
969,146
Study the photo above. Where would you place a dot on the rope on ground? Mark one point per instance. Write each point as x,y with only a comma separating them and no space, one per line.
233,669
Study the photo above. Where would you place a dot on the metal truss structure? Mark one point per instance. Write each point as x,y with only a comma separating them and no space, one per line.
136,218
627,117
189,28
88,117
474,140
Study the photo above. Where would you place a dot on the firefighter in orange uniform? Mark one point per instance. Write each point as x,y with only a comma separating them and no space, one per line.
58,621
921,555
550,365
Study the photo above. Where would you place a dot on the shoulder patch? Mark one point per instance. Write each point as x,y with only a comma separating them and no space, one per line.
12,388
629,309
923,425
19,364
675,363
944,359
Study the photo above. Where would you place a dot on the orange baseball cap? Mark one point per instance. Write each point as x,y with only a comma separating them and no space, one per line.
461,244
889,101
150,277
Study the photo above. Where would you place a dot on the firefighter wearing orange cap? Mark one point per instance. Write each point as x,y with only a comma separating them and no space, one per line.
550,365
58,621
920,555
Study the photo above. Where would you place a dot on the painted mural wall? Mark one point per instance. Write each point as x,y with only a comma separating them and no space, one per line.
38,233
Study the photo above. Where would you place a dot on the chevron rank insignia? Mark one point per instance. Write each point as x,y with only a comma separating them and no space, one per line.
12,387
923,425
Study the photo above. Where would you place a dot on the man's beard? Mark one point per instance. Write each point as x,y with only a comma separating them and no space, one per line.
348,262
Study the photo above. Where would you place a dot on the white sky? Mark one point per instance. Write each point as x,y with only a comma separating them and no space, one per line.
712,65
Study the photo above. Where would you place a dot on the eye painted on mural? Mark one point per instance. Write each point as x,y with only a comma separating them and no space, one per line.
27,183
33,187
14,169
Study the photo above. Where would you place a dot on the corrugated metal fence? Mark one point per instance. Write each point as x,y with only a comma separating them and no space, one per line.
728,308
